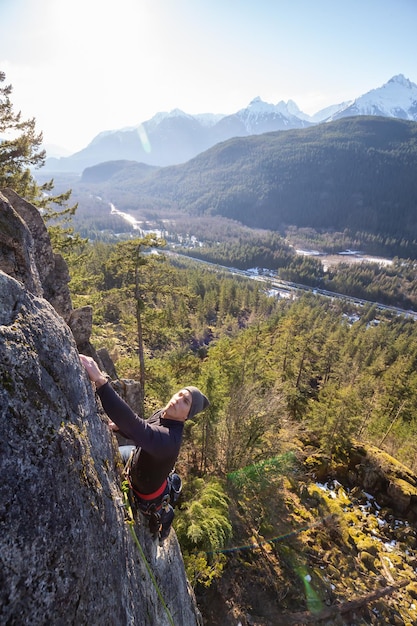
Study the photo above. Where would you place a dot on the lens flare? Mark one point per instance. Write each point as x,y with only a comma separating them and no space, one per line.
144,139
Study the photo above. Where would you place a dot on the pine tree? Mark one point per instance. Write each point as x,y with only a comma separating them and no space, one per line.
21,149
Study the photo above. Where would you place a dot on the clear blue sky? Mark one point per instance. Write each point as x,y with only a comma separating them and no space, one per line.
83,66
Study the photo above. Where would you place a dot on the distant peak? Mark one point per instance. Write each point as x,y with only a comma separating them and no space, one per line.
257,105
293,108
400,79
291,103
178,113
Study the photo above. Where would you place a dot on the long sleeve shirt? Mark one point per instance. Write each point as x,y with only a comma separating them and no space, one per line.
158,440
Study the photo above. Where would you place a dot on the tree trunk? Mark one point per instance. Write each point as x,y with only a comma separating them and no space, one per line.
140,353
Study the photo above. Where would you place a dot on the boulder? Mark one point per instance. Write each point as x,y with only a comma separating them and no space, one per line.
26,254
51,268
17,248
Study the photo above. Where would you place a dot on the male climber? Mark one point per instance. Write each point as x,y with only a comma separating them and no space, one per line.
157,444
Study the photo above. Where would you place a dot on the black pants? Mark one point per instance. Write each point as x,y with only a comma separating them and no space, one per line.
160,518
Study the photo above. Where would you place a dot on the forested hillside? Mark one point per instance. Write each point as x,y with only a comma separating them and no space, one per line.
338,376
356,173
300,391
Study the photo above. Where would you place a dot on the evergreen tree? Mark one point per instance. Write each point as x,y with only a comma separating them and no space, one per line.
124,269
20,149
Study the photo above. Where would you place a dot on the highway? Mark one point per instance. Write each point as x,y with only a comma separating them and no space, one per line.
282,289
286,289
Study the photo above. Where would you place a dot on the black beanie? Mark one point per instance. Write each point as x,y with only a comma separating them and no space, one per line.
199,401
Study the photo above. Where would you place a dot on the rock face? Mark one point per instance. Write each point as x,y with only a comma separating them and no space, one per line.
17,250
50,267
26,254
67,555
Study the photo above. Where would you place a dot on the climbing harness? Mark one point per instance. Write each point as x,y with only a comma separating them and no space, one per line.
130,521
157,507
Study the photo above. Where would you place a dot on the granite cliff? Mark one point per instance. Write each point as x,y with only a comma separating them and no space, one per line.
67,555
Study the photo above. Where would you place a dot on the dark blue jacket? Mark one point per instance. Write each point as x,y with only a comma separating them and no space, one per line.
158,440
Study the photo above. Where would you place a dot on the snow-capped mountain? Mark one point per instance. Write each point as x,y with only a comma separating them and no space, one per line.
397,98
327,113
261,117
175,137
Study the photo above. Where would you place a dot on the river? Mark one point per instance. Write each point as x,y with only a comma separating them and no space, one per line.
283,289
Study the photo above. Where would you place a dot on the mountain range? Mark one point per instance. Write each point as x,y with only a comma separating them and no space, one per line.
175,137
355,173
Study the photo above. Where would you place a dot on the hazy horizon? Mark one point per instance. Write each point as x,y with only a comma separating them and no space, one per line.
81,68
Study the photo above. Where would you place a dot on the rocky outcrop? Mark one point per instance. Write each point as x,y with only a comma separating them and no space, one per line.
372,470
26,254
17,248
393,484
51,268
67,555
